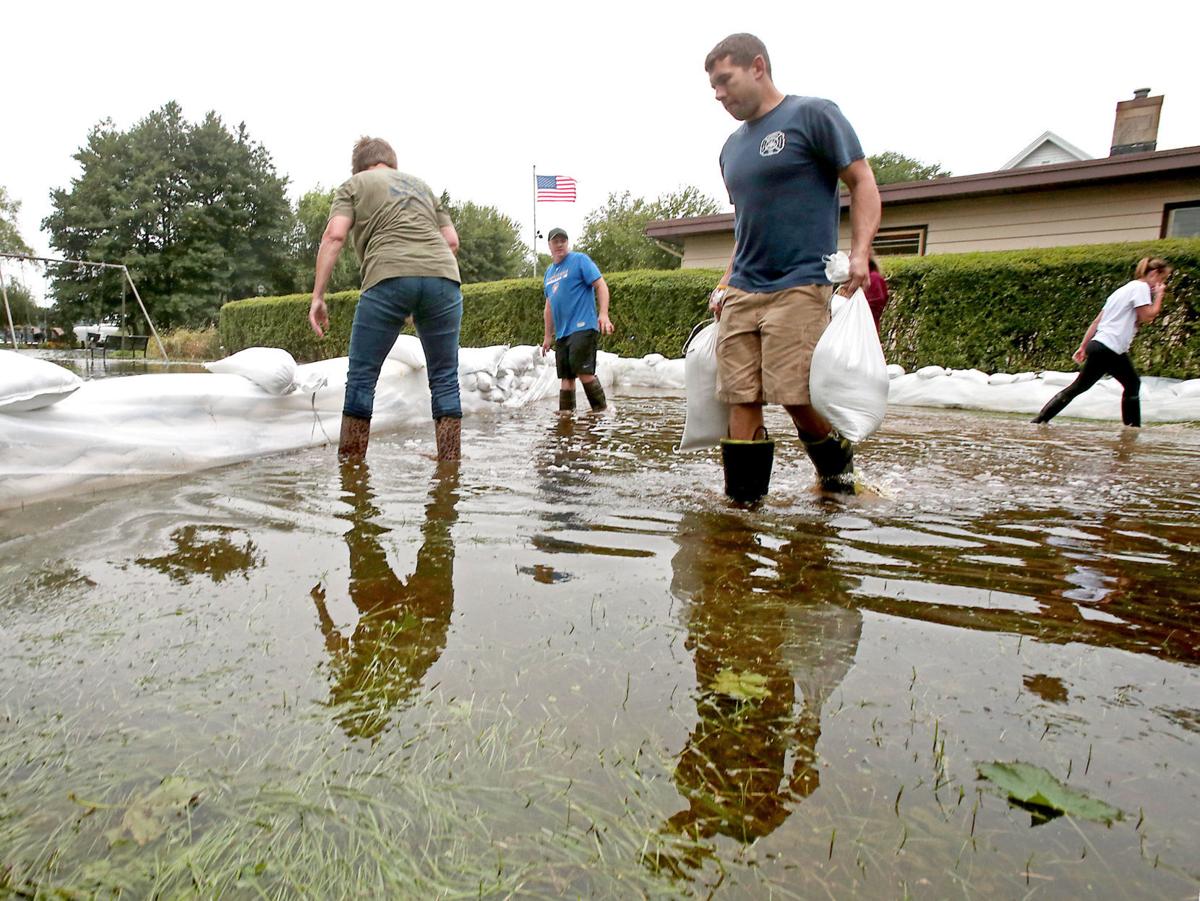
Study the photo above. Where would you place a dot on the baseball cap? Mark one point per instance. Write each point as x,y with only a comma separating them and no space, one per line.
556,233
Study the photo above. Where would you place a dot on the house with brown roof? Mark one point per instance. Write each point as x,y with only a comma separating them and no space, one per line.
1136,193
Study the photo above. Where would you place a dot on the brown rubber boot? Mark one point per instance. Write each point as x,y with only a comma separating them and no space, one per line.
356,433
448,431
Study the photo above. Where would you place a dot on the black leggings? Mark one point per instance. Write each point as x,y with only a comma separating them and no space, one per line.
1101,360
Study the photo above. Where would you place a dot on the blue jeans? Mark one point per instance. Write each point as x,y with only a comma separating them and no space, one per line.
435,305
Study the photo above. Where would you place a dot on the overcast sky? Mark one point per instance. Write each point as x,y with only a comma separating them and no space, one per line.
614,94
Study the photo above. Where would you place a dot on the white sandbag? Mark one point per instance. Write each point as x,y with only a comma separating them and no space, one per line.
27,383
971,375
1001,378
707,420
931,372
1190,388
480,359
895,370
408,350
521,358
1050,377
849,380
271,368
606,368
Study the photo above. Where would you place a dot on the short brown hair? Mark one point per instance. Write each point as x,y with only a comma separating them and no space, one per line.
741,49
368,152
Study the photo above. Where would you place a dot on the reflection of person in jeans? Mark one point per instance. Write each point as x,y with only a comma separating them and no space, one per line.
781,168
406,245
1104,349
402,625
770,643
574,286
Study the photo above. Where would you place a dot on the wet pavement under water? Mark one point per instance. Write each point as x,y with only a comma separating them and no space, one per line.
573,660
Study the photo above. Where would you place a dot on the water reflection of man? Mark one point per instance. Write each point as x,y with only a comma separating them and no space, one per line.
762,622
402,625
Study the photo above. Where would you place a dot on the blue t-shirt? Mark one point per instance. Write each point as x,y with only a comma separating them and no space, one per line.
782,175
568,287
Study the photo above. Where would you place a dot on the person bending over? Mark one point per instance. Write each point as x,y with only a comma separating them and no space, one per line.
406,246
1104,349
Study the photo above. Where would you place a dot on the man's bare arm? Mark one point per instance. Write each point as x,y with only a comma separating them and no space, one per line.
601,286
865,213
451,236
332,242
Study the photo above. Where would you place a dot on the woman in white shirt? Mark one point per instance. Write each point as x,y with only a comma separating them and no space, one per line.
1105,347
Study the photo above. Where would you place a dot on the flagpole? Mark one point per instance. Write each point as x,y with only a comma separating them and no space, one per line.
535,256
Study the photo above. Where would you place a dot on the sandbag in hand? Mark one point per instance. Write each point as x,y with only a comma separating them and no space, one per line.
849,381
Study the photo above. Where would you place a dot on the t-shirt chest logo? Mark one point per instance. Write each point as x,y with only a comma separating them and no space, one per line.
772,144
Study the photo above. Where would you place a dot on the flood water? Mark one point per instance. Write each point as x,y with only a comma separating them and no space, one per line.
571,668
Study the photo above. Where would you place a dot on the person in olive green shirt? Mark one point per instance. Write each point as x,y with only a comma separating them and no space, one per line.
406,245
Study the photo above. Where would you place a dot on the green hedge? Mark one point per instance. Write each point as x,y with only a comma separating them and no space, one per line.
1017,310
654,312
1000,312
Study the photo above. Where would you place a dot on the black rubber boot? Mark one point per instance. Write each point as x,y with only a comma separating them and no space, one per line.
833,458
1131,411
747,468
566,401
595,394
1053,407
356,433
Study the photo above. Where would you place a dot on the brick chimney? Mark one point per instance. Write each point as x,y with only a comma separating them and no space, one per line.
1135,129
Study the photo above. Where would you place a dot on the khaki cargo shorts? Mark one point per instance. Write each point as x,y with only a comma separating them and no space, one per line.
765,344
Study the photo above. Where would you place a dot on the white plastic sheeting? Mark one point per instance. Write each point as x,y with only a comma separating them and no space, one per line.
1163,400
119,430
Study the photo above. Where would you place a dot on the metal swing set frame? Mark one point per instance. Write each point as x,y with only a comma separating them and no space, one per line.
23,257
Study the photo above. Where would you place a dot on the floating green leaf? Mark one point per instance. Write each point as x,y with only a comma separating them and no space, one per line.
147,818
1043,795
742,686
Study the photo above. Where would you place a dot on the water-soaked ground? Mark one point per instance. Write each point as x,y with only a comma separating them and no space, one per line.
572,669
97,366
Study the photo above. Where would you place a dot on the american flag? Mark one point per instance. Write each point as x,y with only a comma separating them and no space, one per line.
551,188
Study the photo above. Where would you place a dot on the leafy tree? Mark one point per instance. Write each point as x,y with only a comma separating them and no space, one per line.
891,167
614,235
24,308
312,212
10,236
490,245
197,213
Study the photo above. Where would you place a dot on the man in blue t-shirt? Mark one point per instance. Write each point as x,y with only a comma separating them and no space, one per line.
781,168
574,287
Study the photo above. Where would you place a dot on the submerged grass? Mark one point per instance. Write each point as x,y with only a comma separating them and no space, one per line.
316,816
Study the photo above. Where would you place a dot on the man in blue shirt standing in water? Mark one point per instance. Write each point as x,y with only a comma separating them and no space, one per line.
782,168
573,287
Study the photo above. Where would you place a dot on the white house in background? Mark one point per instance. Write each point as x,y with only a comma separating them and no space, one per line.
1136,193
1046,149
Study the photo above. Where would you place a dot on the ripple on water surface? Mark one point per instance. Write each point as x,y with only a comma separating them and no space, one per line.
570,667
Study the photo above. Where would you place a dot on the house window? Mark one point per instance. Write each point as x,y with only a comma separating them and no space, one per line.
1181,220
895,241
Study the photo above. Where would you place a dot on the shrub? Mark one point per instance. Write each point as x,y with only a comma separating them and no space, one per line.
1028,309
1004,311
189,343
